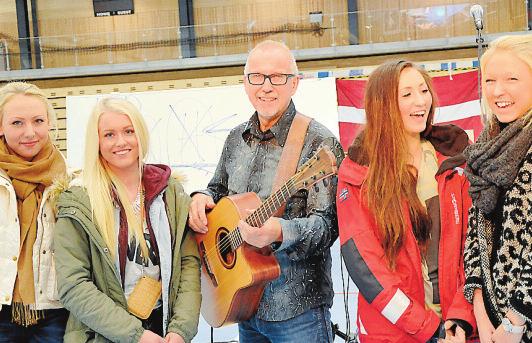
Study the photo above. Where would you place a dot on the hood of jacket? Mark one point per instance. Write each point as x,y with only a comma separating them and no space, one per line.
155,180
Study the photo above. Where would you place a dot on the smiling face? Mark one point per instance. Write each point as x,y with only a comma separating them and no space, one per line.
270,101
118,142
25,125
415,100
507,85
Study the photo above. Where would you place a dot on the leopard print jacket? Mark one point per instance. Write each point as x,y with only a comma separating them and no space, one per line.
507,282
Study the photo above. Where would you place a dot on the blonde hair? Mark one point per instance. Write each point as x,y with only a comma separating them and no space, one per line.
100,182
271,43
9,90
518,45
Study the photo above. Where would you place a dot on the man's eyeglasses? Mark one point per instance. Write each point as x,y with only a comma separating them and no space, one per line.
258,79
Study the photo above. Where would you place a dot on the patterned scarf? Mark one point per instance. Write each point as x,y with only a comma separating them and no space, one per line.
29,179
493,161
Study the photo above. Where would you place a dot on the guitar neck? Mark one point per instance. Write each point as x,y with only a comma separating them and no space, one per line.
271,205
264,211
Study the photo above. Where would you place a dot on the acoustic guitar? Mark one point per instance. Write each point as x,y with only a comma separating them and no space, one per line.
234,273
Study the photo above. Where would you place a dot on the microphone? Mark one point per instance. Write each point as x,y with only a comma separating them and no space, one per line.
477,12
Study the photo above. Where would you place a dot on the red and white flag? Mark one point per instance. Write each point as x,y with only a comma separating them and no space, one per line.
457,100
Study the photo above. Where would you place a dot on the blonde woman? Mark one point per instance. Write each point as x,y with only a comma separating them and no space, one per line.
498,253
128,269
29,162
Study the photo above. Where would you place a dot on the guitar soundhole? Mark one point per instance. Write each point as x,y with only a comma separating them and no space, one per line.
225,251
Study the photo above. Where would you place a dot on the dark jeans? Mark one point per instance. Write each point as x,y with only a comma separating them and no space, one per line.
49,329
155,321
312,326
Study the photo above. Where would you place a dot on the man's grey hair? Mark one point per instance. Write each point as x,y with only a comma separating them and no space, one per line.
274,43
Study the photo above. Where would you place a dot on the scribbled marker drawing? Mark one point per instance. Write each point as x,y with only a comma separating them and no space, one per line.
191,140
212,128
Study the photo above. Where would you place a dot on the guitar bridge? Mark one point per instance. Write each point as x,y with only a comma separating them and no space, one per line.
207,265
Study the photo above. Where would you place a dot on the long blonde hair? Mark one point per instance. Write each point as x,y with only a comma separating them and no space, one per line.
100,182
11,89
518,45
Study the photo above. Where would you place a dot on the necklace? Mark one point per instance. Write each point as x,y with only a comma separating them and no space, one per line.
139,201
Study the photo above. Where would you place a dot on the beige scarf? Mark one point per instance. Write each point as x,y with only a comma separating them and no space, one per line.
29,179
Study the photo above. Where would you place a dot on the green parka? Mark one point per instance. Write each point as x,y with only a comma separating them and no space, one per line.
89,284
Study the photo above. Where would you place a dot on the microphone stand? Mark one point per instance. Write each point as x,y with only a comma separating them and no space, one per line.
349,338
480,44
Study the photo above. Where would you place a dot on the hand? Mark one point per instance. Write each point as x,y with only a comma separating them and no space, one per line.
458,336
501,336
197,220
271,231
485,328
150,337
172,337
515,318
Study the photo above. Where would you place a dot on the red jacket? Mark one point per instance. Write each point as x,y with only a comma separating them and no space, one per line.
391,303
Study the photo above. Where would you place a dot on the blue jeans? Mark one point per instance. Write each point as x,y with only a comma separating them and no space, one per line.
311,326
47,330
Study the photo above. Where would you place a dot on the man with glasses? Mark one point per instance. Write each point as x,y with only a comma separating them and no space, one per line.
294,307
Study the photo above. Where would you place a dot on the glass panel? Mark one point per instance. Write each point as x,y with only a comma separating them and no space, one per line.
376,21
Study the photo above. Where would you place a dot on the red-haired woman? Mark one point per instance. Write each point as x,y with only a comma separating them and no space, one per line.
402,212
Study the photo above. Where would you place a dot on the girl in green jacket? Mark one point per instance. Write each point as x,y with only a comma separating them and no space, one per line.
128,270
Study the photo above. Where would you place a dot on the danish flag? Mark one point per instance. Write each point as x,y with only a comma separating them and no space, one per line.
457,100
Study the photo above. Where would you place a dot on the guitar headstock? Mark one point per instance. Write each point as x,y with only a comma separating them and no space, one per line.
318,167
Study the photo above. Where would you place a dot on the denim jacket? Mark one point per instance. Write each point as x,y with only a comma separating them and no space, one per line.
248,164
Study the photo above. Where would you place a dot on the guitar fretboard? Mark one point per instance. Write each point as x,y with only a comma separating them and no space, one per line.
264,211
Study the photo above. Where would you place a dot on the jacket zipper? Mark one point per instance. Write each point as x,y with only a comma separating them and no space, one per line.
41,213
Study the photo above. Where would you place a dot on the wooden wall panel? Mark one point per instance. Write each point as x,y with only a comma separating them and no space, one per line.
507,15
60,134
8,20
116,39
9,32
231,27
240,24
390,21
